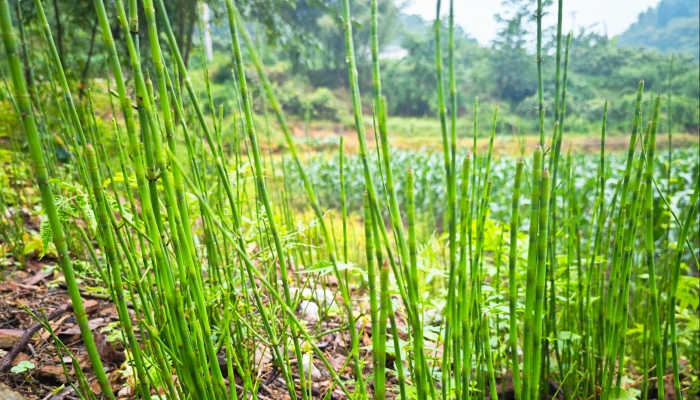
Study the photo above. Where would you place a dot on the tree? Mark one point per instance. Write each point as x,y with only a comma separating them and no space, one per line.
511,65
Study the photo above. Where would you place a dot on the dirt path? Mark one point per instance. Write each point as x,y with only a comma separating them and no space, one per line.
503,144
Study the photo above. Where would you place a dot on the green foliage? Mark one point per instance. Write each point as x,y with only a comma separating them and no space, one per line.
296,98
430,179
407,82
618,393
8,118
222,74
46,234
23,366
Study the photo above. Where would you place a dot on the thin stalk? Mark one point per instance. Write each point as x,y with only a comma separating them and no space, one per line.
540,283
689,218
512,283
539,60
378,340
485,336
380,351
529,380
418,352
649,239
463,296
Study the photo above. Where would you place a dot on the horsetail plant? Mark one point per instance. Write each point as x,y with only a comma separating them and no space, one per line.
207,268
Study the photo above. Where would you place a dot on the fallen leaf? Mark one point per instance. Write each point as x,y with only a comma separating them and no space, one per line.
84,361
105,350
38,277
95,386
7,286
19,275
337,362
75,329
125,392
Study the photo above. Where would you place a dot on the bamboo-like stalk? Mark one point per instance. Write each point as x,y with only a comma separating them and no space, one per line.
557,61
248,264
617,246
380,351
669,169
600,221
28,123
529,381
378,339
540,102
512,284
463,296
621,300
419,370
449,151
557,138
675,274
540,283
343,205
649,244
75,120
485,335
182,242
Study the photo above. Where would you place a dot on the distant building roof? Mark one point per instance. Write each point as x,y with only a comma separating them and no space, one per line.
393,52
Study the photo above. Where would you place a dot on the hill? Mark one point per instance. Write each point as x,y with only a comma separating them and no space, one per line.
670,27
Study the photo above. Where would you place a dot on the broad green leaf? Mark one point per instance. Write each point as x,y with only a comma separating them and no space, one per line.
618,393
22,366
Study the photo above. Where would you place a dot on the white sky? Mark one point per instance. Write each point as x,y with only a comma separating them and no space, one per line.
476,17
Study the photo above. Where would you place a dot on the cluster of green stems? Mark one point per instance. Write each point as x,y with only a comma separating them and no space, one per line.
189,290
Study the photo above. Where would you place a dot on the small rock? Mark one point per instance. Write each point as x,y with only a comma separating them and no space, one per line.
310,310
7,394
51,374
90,306
20,357
323,297
8,337
307,362
433,317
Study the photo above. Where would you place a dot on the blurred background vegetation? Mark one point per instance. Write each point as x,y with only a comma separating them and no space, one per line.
302,45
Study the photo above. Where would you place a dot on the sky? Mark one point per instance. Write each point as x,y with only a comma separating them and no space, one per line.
476,17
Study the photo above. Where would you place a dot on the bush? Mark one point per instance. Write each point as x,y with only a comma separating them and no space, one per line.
222,74
321,102
324,104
